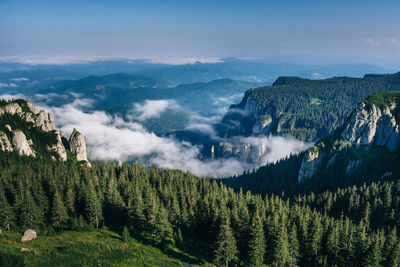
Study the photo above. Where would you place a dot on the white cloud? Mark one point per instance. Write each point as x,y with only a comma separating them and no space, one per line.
7,85
187,60
22,79
151,109
203,128
110,137
9,97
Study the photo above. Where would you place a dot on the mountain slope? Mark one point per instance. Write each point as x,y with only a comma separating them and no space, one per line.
305,109
365,148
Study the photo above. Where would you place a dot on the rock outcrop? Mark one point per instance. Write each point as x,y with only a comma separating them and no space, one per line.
78,146
15,139
59,148
21,145
312,161
11,108
5,144
373,126
369,125
45,121
28,235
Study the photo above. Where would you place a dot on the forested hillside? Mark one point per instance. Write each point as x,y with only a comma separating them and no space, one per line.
171,208
305,109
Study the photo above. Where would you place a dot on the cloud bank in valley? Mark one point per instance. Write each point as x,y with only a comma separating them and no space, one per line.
110,137
151,109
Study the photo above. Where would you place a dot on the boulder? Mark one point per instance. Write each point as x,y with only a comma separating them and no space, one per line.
29,235
20,143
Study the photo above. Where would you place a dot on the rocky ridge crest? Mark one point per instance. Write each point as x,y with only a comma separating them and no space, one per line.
29,113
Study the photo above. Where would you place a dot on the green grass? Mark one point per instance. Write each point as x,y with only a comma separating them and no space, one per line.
315,101
383,99
97,248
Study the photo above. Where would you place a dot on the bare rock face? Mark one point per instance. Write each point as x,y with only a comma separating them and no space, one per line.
5,144
11,108
311,162
78,146
64,139
252,108
262,125
29,235
21,144
373,125
34,109
59,148
45,121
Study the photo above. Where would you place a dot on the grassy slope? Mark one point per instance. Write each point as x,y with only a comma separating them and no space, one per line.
95,248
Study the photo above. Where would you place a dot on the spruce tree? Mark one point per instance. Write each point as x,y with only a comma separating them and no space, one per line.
225,247
59,215
256,246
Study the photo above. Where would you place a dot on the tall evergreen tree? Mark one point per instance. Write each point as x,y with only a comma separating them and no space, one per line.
225,247
256,246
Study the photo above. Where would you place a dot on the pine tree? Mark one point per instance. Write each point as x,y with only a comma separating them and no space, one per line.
59,215
93,209
294,245
7,216
225,247
281,252
256,246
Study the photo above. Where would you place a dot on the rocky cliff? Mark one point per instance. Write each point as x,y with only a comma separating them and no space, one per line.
27,120
374,123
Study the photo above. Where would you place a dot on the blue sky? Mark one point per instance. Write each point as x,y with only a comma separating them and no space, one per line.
219,28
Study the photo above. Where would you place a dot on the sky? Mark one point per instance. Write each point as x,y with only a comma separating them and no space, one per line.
155,29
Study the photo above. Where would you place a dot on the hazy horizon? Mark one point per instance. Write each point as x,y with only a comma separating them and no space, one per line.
358,31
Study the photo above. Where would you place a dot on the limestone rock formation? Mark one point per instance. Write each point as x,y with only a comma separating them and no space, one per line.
5,144
21,145
64,139
78,146
29,235
253,109
11,108
59,148
311,162
373,125
368,125
32,107
45,121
